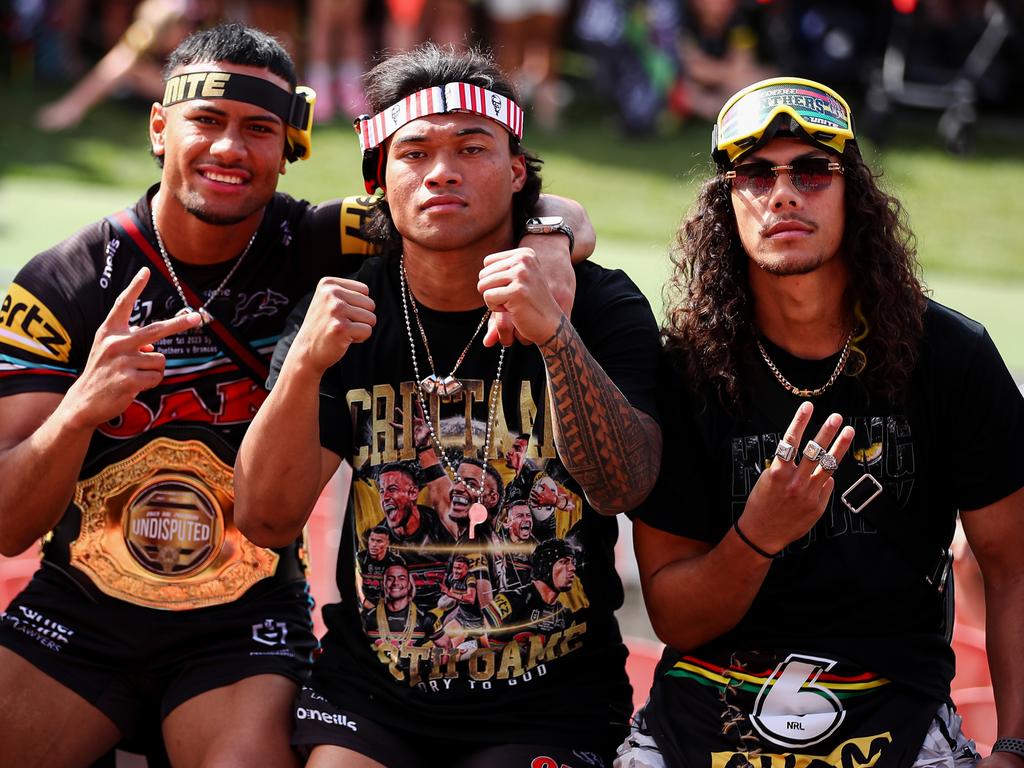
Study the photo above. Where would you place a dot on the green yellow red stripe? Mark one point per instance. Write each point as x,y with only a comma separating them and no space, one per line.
706,673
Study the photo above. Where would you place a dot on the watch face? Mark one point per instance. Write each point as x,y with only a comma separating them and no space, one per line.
545,221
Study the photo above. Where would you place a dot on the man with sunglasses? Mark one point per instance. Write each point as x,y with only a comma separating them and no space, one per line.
802,585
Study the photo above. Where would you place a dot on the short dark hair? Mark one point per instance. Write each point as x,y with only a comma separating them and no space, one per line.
399,466
234,44
428,66
457,459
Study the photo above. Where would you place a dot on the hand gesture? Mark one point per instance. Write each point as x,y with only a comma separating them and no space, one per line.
420,430
513,282
340,314
560,277
122,361
790,496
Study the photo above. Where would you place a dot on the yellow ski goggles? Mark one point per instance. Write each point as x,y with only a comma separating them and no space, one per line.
803,108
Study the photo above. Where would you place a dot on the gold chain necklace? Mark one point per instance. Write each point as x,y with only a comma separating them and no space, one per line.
807,392
398,639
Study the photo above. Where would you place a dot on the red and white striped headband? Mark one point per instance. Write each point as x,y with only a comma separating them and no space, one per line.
453,97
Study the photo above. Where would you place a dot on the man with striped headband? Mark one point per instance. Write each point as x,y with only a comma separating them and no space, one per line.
527,674
831,423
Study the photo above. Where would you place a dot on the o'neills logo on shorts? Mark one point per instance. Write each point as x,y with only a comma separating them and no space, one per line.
172,527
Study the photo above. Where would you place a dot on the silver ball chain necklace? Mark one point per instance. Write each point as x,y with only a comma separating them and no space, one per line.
477,510
187,309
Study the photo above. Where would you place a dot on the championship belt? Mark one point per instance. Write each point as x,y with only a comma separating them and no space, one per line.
157,530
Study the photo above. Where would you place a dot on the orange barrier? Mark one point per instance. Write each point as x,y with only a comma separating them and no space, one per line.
971,657
15,573
972,685
644,656
323,535
977,706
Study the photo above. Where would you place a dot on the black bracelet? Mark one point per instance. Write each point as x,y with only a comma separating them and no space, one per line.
749,543
1013,746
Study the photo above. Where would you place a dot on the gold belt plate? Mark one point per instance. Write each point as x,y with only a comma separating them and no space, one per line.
157,530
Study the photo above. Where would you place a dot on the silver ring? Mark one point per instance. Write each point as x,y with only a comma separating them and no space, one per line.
828,462
813,451
785,451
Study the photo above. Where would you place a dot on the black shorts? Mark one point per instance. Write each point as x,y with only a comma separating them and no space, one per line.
131,662
319,722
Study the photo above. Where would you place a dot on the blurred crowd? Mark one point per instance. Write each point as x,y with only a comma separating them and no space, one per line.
651,61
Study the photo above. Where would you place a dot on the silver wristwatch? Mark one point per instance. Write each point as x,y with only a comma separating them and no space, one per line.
546,225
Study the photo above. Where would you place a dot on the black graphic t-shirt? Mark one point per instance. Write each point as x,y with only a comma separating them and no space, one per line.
524,645
48,320
848,601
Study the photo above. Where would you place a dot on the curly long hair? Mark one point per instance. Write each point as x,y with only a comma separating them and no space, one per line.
710,309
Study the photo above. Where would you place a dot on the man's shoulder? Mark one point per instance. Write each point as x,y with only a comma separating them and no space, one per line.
86,243
74,262
950,337
609,305
946,325
373,272
602,281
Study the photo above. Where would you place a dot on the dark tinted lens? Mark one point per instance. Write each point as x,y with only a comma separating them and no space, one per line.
758,178
811,174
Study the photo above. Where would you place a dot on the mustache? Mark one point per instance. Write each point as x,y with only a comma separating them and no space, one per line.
776,220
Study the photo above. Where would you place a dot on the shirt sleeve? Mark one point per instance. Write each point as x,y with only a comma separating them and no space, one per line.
616,324
332,237
44,334
335,427
987,412
681,502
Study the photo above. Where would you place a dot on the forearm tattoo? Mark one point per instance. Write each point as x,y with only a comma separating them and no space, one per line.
611,450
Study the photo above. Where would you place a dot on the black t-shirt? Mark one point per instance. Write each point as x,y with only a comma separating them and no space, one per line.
58,300
542,680
847,590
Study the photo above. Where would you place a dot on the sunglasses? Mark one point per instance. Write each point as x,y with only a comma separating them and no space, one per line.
808,174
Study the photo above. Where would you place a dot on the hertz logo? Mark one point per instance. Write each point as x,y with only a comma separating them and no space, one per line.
27,324
187,86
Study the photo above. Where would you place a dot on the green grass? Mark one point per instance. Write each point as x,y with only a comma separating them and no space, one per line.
968,212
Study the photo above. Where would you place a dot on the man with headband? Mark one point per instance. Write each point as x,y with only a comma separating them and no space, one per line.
831,423
132,358
402,336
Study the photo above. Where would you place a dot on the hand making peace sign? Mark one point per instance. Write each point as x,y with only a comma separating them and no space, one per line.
122,361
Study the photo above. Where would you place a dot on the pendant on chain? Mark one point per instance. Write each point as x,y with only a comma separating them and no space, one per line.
203,313
447,388
477,515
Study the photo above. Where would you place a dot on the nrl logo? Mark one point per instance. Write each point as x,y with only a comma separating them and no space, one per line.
496,103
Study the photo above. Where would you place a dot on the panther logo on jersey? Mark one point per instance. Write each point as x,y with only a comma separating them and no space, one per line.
260,304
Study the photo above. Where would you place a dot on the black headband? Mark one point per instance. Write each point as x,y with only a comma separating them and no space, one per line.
291,108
